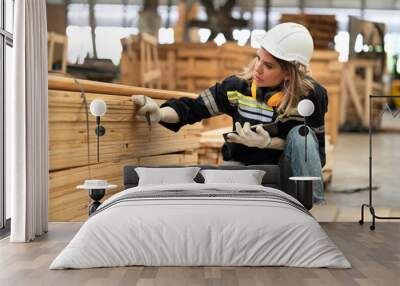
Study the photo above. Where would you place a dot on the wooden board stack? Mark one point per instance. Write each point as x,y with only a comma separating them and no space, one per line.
198,66
126,141
327,70
323,28
187,66
210,146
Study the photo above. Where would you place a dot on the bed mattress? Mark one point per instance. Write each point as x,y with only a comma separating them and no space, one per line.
201,225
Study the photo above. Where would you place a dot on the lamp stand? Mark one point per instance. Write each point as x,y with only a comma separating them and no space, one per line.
100,131
303,131
96,195
370,205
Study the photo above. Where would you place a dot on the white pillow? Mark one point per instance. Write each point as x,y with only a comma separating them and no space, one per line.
248,177
164,176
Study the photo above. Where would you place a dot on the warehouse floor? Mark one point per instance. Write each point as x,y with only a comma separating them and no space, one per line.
374,256
350,171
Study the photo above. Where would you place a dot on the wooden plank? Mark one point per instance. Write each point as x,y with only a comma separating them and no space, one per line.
355,98
72,156
70,84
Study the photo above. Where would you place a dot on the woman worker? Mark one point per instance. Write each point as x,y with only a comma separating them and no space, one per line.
268,90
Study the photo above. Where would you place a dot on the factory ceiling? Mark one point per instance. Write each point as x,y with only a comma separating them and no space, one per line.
249,4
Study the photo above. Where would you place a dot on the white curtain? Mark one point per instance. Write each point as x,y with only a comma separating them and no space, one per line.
26,123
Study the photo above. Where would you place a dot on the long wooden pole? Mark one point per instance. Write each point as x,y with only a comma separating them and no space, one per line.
69,84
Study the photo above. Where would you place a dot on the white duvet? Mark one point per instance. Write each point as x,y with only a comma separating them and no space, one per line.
200,231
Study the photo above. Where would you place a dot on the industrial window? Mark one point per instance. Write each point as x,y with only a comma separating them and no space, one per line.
6,44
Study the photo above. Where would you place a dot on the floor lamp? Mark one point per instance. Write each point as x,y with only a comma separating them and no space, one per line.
370,205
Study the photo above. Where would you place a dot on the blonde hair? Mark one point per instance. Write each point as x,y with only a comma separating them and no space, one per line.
298,85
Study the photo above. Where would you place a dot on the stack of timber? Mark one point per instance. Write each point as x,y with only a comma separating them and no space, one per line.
188,67
327,70
126,141
358,84
211,143
323,28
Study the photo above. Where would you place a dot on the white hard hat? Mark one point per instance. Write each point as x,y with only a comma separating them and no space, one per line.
289,42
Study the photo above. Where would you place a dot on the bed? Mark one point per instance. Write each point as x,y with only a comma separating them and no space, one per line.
201,224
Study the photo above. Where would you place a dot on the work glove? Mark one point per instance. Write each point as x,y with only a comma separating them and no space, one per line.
260,139
147,107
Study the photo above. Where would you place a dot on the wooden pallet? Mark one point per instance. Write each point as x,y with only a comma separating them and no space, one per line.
140,64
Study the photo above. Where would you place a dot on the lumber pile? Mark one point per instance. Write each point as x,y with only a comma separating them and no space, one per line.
358,83
209,152
126,141
323,28
327,70
195,67
188,67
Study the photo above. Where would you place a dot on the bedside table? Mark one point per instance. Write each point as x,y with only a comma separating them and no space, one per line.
97,190
304,189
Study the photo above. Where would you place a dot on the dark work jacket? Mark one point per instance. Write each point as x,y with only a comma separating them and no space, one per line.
233,97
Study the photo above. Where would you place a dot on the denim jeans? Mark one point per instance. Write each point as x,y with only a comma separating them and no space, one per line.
294,159
294,153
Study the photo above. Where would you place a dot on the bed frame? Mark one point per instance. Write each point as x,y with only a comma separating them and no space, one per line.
274,178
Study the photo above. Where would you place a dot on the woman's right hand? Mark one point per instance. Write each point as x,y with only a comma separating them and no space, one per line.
146,105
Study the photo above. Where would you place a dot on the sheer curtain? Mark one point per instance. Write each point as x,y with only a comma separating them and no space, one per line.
26,123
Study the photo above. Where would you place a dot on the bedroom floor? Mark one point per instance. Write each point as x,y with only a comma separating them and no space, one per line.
374,255
350,171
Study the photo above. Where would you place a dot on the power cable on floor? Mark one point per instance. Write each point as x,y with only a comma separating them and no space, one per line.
354,190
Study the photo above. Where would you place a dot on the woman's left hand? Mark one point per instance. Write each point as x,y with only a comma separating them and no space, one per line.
260,139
